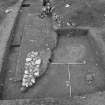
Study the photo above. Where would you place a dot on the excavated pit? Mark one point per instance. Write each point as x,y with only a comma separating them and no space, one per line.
77,50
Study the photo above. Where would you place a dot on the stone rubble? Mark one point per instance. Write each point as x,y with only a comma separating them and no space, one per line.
31,72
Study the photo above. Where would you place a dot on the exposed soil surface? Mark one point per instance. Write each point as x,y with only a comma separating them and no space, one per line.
73,56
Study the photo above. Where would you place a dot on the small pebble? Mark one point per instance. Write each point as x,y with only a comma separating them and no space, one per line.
67,83
23,89
23,83
96,64
48,48
38,62
67,5
32,41
33,63
26,72
35,53
30,76
36,73
73,24
25,76
68,24
36,69
29,14
34,59
10,79
83,97
32,56
30,70
10,71
84,62
33,80
27,64
30,84
37,66
27,85
24,80
8,10
28,59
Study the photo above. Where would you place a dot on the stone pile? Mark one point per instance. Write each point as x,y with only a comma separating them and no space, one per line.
31,72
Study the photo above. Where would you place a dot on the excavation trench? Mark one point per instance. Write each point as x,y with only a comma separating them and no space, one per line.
75,67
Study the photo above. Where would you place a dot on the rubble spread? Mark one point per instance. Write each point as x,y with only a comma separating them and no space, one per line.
31,72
